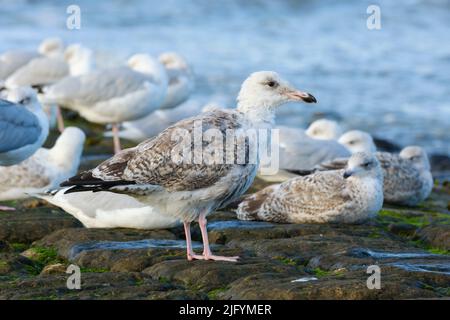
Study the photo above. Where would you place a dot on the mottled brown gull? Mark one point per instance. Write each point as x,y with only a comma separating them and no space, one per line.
407,176
189,191
343,196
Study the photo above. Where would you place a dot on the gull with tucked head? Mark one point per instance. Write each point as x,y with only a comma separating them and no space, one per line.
340,196
358,141
324,129
407,176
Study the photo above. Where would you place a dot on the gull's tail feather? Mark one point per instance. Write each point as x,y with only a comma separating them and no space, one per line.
250,207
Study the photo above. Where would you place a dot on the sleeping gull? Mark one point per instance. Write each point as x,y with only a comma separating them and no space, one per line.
12,60
407,176
184,190
46,70
114,95
358,141
45,169
324,129
340,196
180,86
302,150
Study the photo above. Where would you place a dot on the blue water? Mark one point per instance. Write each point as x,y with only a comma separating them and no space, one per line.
392,82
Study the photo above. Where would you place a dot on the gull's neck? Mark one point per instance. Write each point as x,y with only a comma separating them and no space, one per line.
262,116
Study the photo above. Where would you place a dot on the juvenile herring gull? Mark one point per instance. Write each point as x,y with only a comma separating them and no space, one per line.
45,169
407,176
190,190
113,95
340,196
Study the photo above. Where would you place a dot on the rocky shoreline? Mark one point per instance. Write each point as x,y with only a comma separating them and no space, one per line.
311,261
410,245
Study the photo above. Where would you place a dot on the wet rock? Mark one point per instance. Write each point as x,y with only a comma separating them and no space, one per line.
402,229
26,226
54,269
12,264
209,275
106,285
65,240
351,285
437,236
5,246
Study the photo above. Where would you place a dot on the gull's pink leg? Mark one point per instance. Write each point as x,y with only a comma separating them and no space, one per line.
190,253
116,138
5,208
207,254
59,119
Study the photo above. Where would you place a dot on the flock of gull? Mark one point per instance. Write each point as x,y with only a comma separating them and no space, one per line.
326,175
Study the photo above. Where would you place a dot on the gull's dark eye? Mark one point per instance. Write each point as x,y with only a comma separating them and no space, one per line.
352,142
365,165
272,84
24,101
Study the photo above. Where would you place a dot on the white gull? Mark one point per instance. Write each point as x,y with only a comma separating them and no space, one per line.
113,95
45,169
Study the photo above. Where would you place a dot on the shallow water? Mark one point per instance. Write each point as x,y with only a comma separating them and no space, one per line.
392,82
131,245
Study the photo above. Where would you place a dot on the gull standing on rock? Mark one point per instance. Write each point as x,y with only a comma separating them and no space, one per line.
339,196
190,191
113,95
45,169
44,71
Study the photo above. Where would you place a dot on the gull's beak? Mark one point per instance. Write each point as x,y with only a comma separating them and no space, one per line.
297,95
347,173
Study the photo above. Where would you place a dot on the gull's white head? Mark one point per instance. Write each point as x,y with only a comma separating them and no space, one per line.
363,164
51,47
79,58
417,156
324,129
263,91
144,63
358,141
25,96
